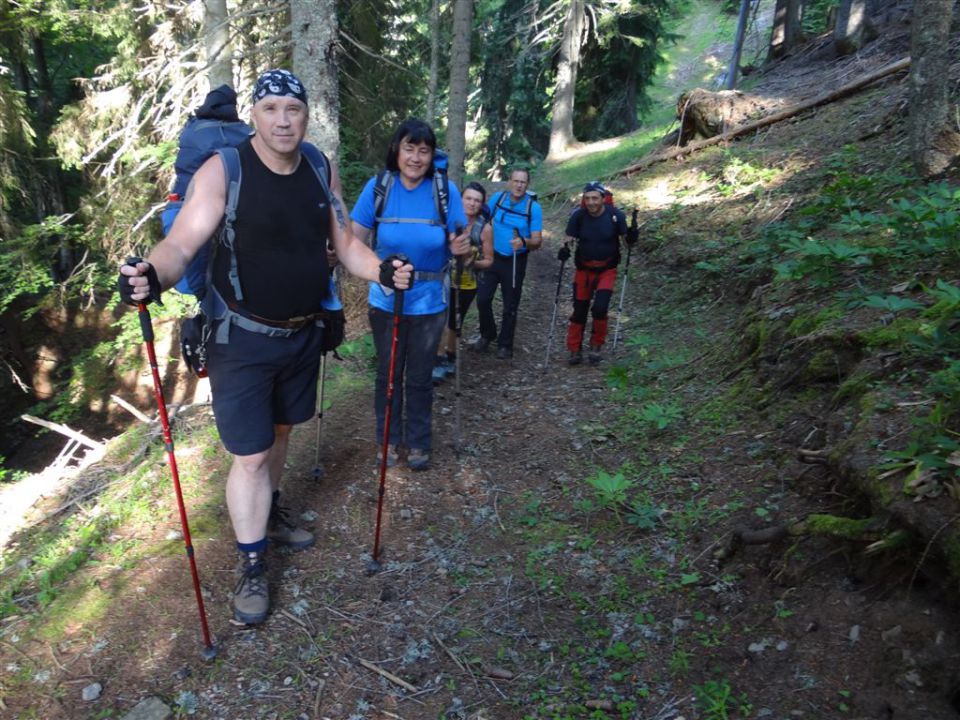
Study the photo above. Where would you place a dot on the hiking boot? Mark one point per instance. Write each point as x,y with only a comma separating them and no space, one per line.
576,357
392,457
251,596
481,344
439,373
594,355
280,531
504,353
450,365
418,459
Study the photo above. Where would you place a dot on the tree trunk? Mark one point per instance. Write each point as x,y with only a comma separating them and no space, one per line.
934,143
434,79
561,129
787,30
734,68
314,24
459,82
853,29
216,37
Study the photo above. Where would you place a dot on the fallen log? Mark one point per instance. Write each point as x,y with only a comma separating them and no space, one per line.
822,99
64,430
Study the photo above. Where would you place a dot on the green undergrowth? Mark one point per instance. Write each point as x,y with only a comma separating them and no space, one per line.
861,264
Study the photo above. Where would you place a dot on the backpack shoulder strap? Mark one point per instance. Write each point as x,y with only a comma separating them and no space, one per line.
230,157
319,163
381,188
476,229
441,195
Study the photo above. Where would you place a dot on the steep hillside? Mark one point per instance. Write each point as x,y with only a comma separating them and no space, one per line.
747,510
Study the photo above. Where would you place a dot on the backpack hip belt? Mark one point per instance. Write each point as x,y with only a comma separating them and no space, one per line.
294,323
218,311
440,275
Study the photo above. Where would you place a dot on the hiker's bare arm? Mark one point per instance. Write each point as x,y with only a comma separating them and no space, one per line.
350,246
197,220
486,252
535,241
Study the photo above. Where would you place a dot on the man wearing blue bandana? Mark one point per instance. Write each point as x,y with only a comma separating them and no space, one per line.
263,378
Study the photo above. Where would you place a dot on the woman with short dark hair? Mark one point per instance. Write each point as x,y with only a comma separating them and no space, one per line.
400,210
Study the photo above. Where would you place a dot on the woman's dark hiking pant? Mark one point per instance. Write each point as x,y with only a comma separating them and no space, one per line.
419,336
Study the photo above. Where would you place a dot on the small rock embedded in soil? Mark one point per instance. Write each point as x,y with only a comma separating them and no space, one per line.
152,708
92,691
854,634
888,636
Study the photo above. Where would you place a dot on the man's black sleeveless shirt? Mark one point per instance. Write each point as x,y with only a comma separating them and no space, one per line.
282,226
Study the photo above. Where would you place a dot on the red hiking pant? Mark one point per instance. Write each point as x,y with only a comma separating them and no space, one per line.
596,285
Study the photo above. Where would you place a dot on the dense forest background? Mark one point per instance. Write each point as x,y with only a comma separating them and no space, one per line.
94,93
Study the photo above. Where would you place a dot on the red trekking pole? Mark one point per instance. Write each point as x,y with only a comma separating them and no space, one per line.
146,326
374,565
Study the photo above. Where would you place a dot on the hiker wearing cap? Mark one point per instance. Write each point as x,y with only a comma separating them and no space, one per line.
517,230
412,209
597,227
268,280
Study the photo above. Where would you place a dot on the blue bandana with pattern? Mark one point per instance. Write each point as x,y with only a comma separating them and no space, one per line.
281,83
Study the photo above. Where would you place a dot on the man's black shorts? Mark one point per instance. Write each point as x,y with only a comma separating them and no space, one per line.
259,381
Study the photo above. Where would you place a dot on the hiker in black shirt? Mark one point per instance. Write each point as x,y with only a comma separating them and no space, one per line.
598,228
263,366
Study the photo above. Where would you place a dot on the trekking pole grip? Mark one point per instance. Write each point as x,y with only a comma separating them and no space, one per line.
146,326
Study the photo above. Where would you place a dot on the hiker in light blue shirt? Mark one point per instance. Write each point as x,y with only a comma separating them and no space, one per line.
402,210
517,229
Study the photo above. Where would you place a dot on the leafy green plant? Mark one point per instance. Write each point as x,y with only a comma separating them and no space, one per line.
891,303
610,490
716,700
643,515
679,662
660,416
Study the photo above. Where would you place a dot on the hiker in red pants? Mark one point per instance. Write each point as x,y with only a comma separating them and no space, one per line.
598,228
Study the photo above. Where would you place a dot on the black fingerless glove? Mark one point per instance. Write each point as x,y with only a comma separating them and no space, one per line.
127,290
387,269
563,254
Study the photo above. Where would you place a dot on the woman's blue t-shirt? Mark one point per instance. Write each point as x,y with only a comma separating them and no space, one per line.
423,243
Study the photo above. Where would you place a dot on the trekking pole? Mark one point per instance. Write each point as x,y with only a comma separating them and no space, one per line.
513,284
553,319
146,326
331,303
374,565
318,470
458,329
626,272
